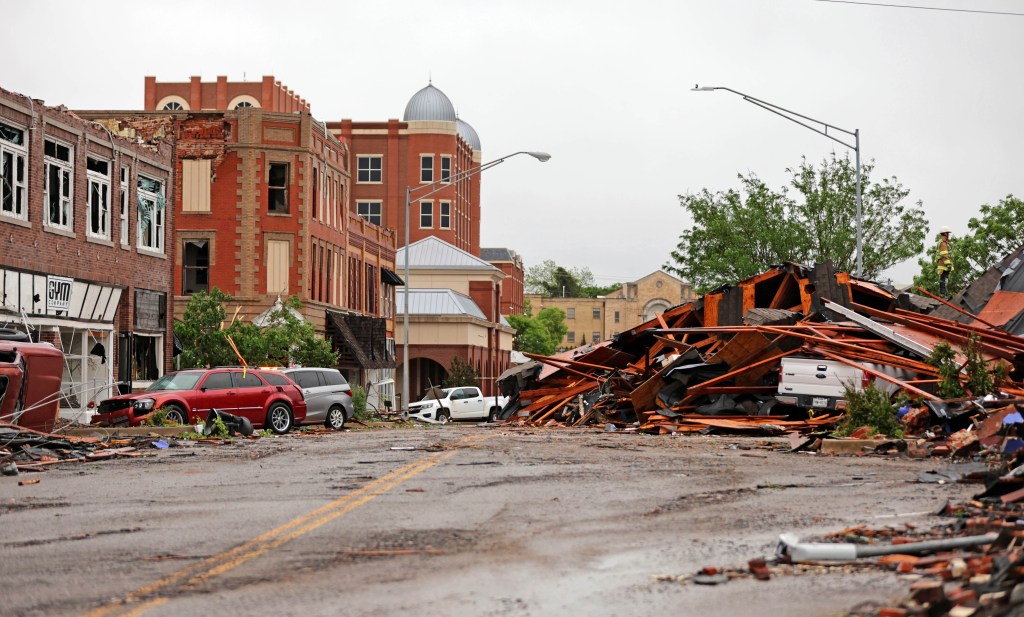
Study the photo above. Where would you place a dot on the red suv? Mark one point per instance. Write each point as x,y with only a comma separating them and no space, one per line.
267,399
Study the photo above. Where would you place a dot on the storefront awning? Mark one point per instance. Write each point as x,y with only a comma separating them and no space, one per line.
390,278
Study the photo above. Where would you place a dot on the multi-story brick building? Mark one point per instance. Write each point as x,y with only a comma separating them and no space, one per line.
87,247
591,320
263,213
511,263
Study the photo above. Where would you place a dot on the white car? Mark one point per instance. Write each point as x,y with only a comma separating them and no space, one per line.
442,405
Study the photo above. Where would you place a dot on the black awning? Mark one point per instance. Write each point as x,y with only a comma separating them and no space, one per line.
390,278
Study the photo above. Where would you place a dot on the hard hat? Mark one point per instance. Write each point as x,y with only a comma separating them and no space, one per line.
945,230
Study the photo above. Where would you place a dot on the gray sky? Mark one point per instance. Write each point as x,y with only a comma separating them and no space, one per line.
603,86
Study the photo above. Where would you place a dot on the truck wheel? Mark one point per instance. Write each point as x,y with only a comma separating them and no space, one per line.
493,416
443,417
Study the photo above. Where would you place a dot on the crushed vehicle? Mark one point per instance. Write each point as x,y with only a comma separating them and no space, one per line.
30,380
816,383
265,398
442,405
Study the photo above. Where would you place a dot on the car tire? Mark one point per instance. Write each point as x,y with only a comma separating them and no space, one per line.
443,416
335,417
279,419
493,415
176,414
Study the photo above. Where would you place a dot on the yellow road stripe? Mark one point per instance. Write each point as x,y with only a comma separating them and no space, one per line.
235,557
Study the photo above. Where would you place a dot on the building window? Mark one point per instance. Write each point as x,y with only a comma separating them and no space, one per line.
57,158
570,313
195,185
277,188
369,210
174,106
369,169
597,313
125,172
444,216
195,264
98,173
316,192
426,214
595,337
446,169
570,337
12,171
150,204
426,168
147,357
243,105
616,317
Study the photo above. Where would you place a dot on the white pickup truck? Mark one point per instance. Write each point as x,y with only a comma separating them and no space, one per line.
815,383
442,405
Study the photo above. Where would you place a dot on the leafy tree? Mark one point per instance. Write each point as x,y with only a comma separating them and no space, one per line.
285,341
461,373
553,321
541,334
200,331
738,233
550,279
998,231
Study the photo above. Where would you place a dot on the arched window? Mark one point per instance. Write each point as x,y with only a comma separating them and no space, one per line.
172,103
173,106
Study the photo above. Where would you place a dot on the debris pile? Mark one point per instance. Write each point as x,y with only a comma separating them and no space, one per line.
23,449
714,364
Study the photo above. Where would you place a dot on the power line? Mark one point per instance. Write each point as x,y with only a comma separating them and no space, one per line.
922,8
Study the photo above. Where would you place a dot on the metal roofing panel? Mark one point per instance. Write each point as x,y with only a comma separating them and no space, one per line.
437,302
433,252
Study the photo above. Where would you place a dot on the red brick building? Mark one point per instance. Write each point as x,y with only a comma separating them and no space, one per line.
195,95
263,213
87,251
512,286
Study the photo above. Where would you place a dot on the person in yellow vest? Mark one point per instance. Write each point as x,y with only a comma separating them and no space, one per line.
945,262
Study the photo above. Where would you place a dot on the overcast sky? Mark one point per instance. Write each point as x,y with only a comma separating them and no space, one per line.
603,86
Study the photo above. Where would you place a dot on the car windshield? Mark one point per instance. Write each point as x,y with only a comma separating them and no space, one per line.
434,394
175,381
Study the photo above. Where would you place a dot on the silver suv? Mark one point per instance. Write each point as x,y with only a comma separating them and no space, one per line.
328,395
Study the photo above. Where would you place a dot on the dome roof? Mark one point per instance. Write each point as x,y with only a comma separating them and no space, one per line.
468,133
429,104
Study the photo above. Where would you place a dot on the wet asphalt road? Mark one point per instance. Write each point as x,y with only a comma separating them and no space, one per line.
454,520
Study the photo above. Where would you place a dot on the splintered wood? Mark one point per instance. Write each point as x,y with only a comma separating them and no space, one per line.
713,364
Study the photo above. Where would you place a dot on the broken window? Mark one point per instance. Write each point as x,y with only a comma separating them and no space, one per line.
446,169
58,191
444,217
426,214
125,173
146,354
426,168
98,173
150,204
277,191
195,263
12,171
369,210
369,169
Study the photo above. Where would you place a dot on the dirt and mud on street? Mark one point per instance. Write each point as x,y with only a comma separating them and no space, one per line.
453,520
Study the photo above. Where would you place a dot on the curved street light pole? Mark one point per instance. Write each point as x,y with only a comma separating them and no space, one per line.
436,186
792,117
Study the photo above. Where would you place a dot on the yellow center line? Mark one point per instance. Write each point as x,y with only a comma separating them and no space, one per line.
228,560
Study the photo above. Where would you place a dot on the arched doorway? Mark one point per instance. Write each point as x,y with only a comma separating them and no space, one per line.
423,373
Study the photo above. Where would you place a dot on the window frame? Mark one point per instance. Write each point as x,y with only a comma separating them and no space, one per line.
426,214
279,206
369,215
18,189
596,313
370,173
98,186
446,169
126,176
66,171
155,244
426,168
570,313
197,268
444,215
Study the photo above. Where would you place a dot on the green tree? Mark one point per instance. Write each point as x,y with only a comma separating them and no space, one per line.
461,373
992,235
553,321
541,334
550,279
200,331
738,233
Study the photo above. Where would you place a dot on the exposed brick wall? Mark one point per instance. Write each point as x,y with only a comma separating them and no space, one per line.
271,95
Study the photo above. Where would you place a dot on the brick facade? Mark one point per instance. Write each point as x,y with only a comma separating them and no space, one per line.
267,94
41,240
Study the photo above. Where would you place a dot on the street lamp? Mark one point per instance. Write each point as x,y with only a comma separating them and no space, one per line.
789,115
444,182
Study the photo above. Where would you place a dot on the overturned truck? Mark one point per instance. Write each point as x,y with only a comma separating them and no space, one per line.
715,362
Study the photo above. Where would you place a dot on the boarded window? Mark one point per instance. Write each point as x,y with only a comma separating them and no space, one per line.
195,185
277,266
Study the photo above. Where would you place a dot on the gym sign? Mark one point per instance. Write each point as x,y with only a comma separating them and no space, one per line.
58,293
